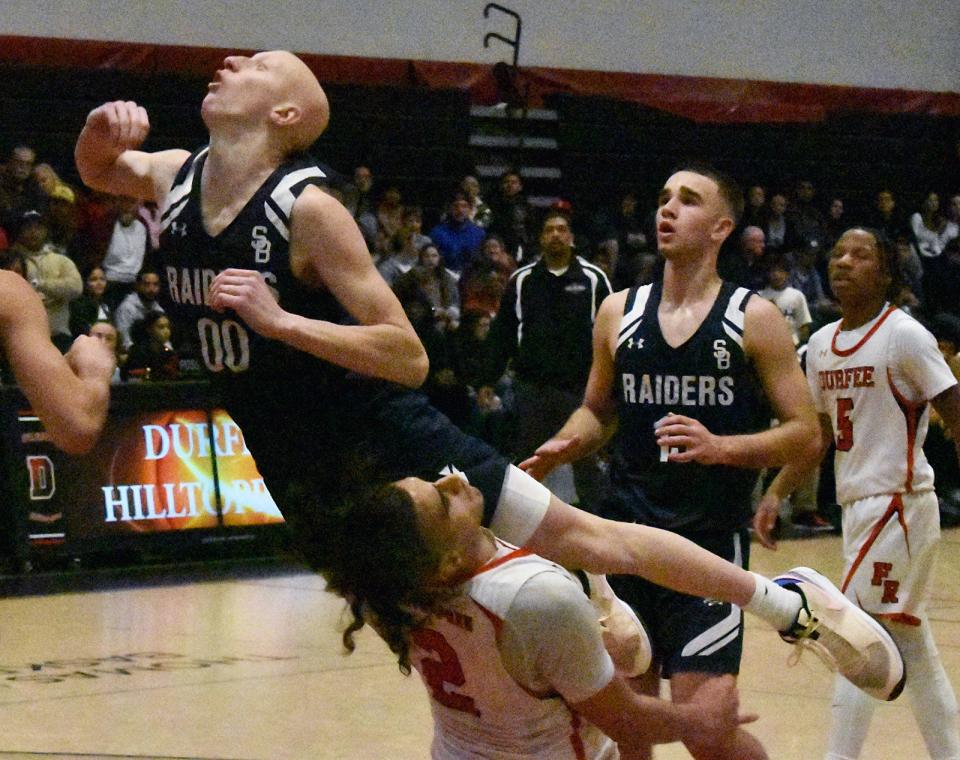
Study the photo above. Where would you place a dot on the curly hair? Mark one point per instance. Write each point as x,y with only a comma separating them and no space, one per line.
889,260
369,548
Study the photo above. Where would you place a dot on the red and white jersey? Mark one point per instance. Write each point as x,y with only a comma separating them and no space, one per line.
874,382
479,710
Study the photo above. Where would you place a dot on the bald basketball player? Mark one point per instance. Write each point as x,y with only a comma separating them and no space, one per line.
314,358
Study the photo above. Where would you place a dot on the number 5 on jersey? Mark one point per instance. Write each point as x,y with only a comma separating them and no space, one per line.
844,424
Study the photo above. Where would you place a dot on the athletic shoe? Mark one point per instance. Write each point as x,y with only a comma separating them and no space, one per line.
624,636
811,521
843,635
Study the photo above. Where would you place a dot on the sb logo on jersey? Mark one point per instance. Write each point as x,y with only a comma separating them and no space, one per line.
721,354
261,244
881,571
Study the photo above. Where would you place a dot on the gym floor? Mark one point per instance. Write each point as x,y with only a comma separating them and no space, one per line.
244,661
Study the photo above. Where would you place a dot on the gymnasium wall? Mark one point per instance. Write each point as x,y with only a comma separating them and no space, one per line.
861,43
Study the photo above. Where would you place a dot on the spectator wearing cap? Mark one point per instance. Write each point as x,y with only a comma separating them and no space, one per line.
53,275
457,238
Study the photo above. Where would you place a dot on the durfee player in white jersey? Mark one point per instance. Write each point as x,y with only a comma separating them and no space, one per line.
506,642
874,374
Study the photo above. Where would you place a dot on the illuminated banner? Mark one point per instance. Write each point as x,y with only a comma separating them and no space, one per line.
150,472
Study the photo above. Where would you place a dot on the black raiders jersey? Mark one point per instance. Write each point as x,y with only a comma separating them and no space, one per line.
259,239
708,378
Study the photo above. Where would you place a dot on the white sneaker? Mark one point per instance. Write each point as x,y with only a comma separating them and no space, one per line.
624,636
843,635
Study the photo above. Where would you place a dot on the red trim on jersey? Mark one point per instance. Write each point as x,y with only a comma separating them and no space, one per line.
864,339
899,617
516,553
895,508
576,740
911,411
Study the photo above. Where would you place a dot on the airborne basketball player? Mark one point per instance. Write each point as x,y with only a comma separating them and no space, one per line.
262,269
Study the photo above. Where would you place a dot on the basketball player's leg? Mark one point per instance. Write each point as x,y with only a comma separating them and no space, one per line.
892,580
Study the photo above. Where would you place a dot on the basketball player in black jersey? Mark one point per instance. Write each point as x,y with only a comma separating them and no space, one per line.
680,370
263,269
69,393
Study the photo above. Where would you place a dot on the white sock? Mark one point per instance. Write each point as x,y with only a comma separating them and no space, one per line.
774,603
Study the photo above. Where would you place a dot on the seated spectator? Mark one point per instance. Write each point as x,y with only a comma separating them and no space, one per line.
484,279
807,220
95,215
745,267
940,278
910,265
952,229
755,210
886,217
929,227
53,275
406,246
126,251
779,232
805,278
389,220
437,284
18,192
835,224
790,301
137,305
106,332
457,238
480,213
90,307
51,185
513,216
151,355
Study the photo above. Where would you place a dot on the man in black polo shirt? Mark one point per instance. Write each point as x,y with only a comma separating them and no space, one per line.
544,325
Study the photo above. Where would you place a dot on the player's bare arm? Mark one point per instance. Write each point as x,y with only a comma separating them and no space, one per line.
947,405
768,344
574,538
108,158
595,421
327,250
791,475
630,718
69,393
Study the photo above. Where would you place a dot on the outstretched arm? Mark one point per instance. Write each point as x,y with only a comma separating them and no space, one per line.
327,250
594,422
574,538
69,393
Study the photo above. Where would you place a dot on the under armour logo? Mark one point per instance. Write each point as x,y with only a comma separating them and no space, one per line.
178,228
638,342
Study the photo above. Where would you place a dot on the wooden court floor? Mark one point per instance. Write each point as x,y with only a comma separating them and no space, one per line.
245,662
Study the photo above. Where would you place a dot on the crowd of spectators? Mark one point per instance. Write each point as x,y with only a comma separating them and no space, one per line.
89,257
